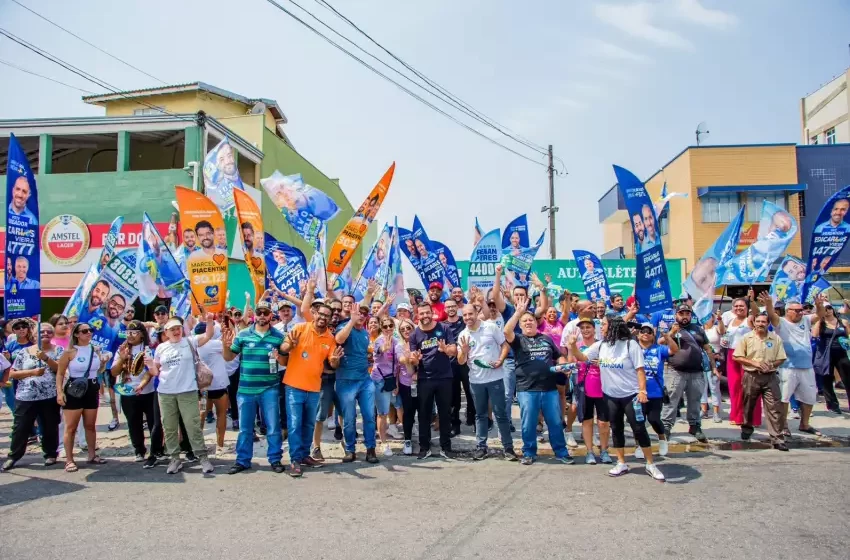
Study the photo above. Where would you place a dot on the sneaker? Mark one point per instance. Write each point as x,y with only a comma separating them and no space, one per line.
700,436
408,448
566,460
605,457
619,470
174,466
114,424
571,440
663,447
388,452
191,458
424,454
716,418
295,470
338,433
526,460
206,466
509,454
392,432
312,463
639,453
140,457
590,459
705,415
317,454
795,414
8,465
256,437
654,472
150,462
278,467
331,423
448,454
349,457
480,454
210,417
220,451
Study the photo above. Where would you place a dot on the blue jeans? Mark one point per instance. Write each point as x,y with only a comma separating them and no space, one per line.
483,395
350,394
510,385
301,419
530,405
9,397
268,402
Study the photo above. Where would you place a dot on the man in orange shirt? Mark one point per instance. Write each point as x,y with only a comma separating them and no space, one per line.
308,346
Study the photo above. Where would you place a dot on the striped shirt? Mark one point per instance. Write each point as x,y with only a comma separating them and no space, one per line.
255,376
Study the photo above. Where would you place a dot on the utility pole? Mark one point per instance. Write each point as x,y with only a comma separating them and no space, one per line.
552,208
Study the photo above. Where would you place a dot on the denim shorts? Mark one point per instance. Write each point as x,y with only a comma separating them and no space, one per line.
382,398
327,397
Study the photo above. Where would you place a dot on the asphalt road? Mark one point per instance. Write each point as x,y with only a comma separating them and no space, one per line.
757,504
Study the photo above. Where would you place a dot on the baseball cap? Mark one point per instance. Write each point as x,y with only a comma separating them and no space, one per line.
160,309
262,304
135,326
631,301
173,322
649,326
435,284
585,320
404,306
683,307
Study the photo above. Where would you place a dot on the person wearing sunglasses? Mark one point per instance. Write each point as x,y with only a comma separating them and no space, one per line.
84,361
387,351
34,370
22,337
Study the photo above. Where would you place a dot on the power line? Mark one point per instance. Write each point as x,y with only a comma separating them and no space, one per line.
398,85
10,65
110,55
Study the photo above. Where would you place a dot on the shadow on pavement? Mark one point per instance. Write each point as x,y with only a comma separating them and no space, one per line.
28,489
680,474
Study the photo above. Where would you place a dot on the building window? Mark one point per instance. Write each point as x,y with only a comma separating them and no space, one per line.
754,204
149,111
720,208
830,136
664,222
813,140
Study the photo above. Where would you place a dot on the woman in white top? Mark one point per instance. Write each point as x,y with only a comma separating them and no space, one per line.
737,323
211,354
81,360
174,364
623,388
714,330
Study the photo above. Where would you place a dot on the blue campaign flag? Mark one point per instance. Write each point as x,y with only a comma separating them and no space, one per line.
221,176
181,305
517,252
818,286
431,268
703,280
788,282
408,248
482,263
306,208
157,271
395,276
447,259
479,233
652,287
285,265
592,275
72,308
831,231
376,265
23,254
340,285
776,229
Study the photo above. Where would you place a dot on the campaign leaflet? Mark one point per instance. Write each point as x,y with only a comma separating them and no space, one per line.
432,267
447,259
818,286
482,263
286,265
788,282
592,276
517,252
652,286
830,234
251,233
395,276
112,294
703,279
23,253
376,264
221,176
306,208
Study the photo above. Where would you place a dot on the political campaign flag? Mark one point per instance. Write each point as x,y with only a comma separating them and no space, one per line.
286,265
306,208
375,265
482,263
776,229
817,287
157,272
207,265
181,305
788,282
830,234
408,247
592,275
664,199
221,177
652,287
72,308
431,268
446,258
517,251
252,234
22,297
352,234
112,294
703,279
395,276
479,233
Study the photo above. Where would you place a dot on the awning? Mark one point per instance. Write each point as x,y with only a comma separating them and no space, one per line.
730,189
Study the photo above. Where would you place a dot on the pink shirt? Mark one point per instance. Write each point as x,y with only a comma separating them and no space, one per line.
589,373
61,341
554,330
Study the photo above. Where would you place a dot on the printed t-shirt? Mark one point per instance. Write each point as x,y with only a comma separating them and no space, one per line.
618,366
485,345
176,368
653,366
534,356
797,338
434,364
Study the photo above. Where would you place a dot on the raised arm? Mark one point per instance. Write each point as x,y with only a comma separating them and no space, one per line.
765,300
544,297
210,332
521,307
307,302
498,298
345,332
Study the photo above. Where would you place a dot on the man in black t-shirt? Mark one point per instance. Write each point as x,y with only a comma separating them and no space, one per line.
460,372
432,346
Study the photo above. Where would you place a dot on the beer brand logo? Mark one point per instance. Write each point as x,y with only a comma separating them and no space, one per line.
65,240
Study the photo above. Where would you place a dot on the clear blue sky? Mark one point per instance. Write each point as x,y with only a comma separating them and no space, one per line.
603,82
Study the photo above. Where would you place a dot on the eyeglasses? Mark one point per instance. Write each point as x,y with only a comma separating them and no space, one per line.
84,331
795,310
133,331
324,315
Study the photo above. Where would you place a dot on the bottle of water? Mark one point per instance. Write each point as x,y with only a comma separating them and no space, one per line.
638,410
272,363
562,368
414,392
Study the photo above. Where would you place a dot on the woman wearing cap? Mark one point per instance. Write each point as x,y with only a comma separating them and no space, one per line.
387,351
623,376
174,364
22,337
654,357
406,377
737,324
35,398
211,354
80,361
588,392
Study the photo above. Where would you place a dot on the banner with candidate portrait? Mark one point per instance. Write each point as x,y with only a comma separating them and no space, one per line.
252,235
408,248
830,234
776,230
340,285
352,234
789,280
72,308
221,177
652,287
703,279
207,264
157,271
22,297
112,294
447,259
306,208
819,286
482,263
375,265
431,269
286,265
517,252
395,275
592,276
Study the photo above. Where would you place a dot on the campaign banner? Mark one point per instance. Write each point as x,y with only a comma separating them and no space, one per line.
482,263
352,234
252,234
111,295
776,229
447,259
830,234
181,305
395,275
157,272
317,270
652,287
592,276
703,280
788,282
306,208
72,308
340,285
664,199
375,265
517,252
479,233
207,264
431,269
408,247
221,177
22,296
286,265
817,287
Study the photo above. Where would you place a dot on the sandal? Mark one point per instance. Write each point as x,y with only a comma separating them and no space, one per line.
812,431
71,466
96,460
50,461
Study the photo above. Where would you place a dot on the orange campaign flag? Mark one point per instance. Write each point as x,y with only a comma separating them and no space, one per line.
251,229
352,234
206,259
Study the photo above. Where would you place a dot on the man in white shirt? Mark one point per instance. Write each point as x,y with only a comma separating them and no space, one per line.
482,347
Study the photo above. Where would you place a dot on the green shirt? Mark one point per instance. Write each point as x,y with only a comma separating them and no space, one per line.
255,375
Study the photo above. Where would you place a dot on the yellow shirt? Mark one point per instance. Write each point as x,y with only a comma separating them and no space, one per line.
752,347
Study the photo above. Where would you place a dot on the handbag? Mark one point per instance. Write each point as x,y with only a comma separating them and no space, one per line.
77,386
390,383
203,373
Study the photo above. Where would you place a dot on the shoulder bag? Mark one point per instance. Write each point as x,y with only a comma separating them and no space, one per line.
390,382
203,373
77,386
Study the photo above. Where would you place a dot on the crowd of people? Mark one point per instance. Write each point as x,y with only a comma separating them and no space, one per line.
287,365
